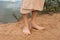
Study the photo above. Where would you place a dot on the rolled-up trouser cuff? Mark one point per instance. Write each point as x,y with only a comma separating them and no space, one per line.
25,11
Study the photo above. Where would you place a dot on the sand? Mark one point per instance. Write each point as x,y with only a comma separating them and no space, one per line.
13,31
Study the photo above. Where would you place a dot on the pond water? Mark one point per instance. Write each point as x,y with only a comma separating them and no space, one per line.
7,9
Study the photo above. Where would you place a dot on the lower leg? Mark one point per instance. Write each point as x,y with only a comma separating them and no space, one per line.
34,15
33,21
25,19
26,29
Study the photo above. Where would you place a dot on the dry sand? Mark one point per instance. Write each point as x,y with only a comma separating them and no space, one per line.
12,31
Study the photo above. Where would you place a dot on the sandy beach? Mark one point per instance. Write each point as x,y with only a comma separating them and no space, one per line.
13,31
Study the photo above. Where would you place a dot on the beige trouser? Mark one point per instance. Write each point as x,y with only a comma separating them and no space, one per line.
30,5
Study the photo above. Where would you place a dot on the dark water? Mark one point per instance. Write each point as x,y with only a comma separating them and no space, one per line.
7,9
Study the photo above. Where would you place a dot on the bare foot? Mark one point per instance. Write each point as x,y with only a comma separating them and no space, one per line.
26,31
37,26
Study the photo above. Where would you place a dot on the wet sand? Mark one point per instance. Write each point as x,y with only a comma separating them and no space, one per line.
13,31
